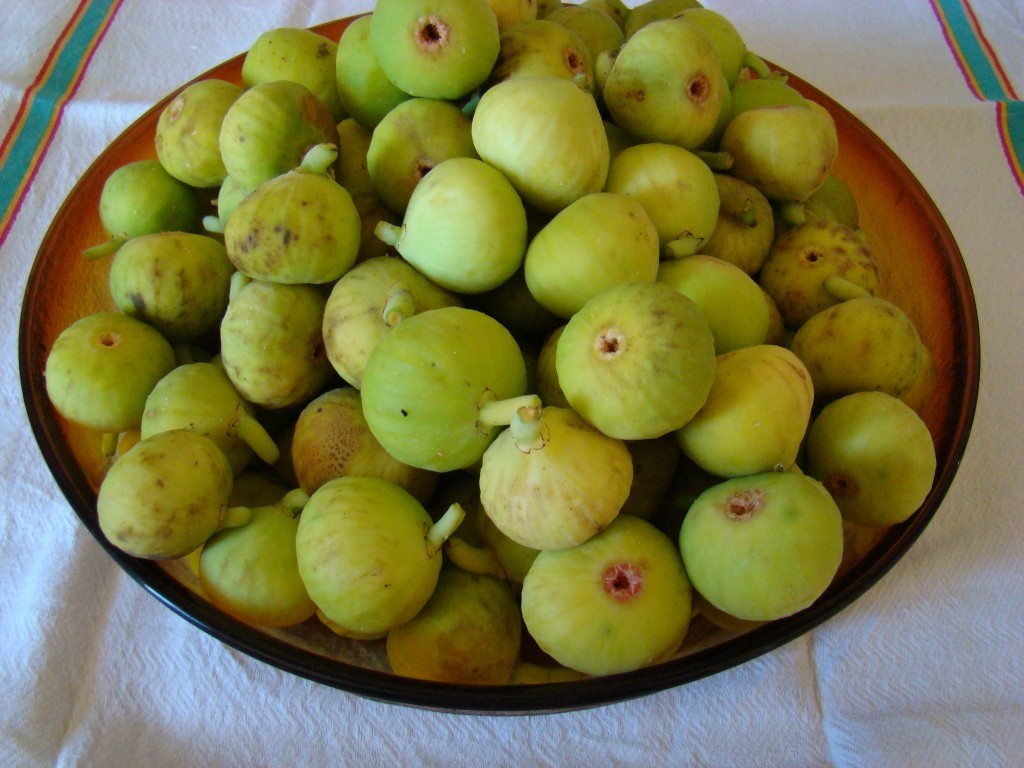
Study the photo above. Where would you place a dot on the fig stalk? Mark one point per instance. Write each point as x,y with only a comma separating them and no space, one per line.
496,413
442,530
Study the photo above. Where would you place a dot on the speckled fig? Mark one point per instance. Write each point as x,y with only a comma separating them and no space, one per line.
187,135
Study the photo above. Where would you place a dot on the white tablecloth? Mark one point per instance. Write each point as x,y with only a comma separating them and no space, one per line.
927,668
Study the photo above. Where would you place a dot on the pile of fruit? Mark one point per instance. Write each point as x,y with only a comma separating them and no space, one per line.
494,320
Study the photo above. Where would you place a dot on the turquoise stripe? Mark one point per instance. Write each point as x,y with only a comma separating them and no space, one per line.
974,54
47,98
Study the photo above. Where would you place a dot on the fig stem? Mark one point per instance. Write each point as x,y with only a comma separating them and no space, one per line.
717,161
842,289
105,249
748,215
238,282
499,413
400,306
257,438
212,225
235,517
681,247
757,64
478,560
294,501
526,428
319,159
389,233
793,213
108,444
469,108
442,530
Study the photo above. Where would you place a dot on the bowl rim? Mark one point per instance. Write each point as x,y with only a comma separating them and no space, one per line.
519,699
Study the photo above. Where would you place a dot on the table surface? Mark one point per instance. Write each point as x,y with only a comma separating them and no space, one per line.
926,668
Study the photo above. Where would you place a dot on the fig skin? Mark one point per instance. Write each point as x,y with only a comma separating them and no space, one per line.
331,439
618,602
599,241
666,85
745,229
364,555
177,282
269,128
756,414
465,227
875,455
438,49
654,464
468,633
367,302
141,197
840,347
542,48
559,152
551,481
272,343
165,496
366,93
429,381
102,367
637,361
654,10
762,547
299,55
187,137
598,31
785,151
511,12
803,261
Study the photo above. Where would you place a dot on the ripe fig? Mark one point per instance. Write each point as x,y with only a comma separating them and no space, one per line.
637,361
559,150
542,48
654,10
585,605
141,197
598,31
745,228
756,414
365,91
438,49
187,136
762,547
511,12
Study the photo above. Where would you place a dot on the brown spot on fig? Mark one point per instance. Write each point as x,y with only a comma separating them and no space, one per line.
744,504
841,486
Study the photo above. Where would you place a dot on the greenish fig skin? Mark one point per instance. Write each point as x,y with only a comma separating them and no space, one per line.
745,229
654,10
598,31
367,302
546,376
584,605
618,140
299,55
199,396
552,481
787,152
270,127
438,49
762,547
231,193
756,414
365,91
468,633
763,92
616,10
364,556
413,138
102,367
637,361
141,198
675,187
252,572
351,170
599,241
511,12
298,228
729,299
332,439
542,48
654,464
726,38
666,85
428,380
559,151
188,132
547,7
840,347
165,496
875,455
272,343
837,197
177,282
512,304
465,227
803,261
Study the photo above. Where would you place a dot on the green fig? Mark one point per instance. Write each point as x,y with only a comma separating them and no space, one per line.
598,31
542,48
365,91
188,132
141,197
745,229
511,12
650,11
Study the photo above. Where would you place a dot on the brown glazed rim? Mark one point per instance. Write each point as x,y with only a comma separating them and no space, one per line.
548,697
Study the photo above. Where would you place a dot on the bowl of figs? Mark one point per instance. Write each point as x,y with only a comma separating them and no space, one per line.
499,357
